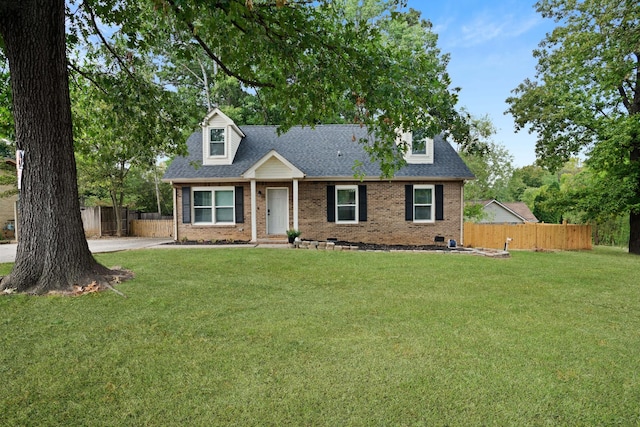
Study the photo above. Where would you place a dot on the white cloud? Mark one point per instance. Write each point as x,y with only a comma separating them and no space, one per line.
442,27
485,28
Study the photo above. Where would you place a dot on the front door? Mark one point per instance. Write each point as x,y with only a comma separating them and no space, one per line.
277,210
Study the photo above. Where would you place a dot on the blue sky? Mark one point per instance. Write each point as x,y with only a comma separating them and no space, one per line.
491,44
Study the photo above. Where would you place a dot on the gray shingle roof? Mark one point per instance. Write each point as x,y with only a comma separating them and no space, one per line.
314,152
519,208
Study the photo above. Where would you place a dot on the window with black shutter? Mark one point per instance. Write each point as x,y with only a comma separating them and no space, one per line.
424,203
186,205
331,203
362,202
239,202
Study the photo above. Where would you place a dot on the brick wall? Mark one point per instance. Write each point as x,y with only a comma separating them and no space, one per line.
237,232
385,215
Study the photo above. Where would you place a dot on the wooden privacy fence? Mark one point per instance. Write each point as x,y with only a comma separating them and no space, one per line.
151,227
528,236
99,221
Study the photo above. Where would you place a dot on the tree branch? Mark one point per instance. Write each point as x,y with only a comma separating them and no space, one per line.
601,111
106,43
87,76
212,55
625,99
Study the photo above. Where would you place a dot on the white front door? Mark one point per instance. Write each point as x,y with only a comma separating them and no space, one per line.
277,210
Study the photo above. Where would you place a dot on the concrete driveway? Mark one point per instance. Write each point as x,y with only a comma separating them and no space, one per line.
8,251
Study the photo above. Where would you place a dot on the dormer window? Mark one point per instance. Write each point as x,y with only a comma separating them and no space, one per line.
220,139
419,143
420,147
217,142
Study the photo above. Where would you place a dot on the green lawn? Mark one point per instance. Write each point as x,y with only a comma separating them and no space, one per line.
274,337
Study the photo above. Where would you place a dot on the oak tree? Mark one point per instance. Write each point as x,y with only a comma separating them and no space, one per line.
586,98
52,252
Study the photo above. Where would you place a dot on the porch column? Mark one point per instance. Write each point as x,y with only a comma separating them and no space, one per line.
254,212
295,204
175,211
462,214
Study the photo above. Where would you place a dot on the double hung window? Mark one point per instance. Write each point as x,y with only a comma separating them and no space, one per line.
347,204
419,147
216,142
213,206
423,205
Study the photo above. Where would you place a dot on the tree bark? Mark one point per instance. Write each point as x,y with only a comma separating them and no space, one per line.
634,234
52,254
634,217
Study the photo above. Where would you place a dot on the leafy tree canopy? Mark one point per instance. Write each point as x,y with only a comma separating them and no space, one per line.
586,96
6,116
309,59
491,163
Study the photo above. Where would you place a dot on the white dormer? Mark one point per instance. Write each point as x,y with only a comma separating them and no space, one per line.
220,139
419,148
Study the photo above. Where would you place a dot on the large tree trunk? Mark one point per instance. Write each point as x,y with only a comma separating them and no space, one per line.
634,217
52,251
634,234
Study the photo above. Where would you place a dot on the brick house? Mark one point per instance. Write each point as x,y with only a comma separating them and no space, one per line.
250,184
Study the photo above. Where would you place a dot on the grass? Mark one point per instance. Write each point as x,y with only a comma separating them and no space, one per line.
277,337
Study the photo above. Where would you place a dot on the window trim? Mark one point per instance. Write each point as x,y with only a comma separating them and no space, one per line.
224,142
422,152
354,188
425,157
432,205
213,206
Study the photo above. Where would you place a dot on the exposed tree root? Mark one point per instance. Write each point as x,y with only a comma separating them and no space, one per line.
90,283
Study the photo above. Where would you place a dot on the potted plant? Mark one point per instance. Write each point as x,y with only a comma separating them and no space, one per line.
292,234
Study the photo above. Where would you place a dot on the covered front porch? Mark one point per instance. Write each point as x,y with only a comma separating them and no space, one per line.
274,189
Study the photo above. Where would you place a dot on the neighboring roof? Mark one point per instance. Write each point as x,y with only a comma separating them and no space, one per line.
519,209
326,151
522,210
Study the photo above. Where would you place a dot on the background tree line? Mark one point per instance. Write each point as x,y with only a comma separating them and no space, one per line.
571,193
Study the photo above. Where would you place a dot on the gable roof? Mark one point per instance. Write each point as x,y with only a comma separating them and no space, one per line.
272,160
217,112
323,152
519,209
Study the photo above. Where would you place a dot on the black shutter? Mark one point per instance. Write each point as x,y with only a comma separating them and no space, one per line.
362,200
408,202
239,194
331,203
439,202
186,205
